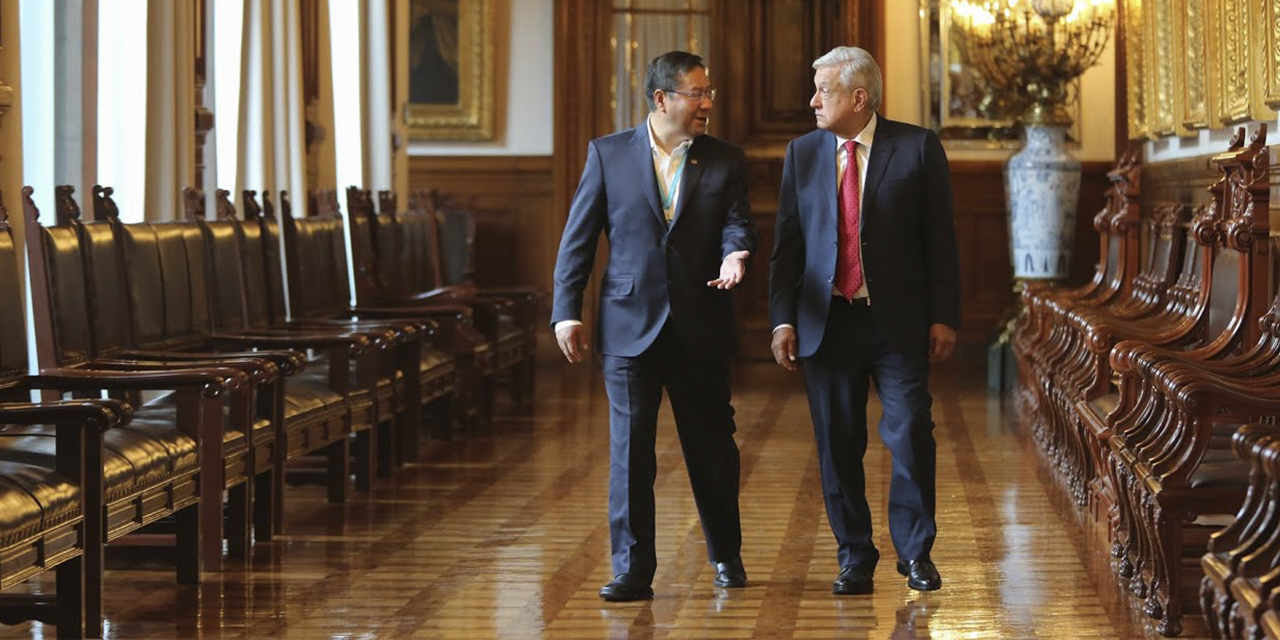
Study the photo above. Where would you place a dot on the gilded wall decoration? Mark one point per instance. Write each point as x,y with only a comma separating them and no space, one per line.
1134,58
453,76
1160,73
1191,44
1262,45
1272,94
1233,64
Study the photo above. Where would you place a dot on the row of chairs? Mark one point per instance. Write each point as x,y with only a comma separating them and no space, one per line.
198,307
1134,384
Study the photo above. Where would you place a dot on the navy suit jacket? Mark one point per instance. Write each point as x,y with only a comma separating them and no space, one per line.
909,254
655,271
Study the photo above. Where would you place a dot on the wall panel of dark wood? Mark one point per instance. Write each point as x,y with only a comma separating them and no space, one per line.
516,231
982,229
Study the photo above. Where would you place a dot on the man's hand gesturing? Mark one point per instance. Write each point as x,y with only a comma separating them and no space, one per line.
732,270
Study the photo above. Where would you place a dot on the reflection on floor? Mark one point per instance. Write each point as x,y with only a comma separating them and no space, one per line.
503,534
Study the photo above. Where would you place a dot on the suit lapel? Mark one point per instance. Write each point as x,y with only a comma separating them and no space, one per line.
689,180
642,158
881,151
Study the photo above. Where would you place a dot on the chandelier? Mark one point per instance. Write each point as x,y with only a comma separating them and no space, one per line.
1031,50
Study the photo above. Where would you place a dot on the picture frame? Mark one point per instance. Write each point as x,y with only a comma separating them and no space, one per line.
453,69
959,104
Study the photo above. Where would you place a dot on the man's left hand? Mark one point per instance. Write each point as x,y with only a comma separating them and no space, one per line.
732,270
942,341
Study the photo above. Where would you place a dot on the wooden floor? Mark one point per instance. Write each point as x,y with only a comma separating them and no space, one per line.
504,535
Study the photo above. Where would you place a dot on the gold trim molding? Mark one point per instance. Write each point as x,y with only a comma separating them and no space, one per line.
1197,64
474,115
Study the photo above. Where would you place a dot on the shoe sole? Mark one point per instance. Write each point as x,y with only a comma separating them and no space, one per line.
627,598
853,592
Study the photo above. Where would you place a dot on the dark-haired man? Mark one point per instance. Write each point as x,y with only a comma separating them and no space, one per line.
672,202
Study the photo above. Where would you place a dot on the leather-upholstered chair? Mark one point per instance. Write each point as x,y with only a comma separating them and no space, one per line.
43,505
152,468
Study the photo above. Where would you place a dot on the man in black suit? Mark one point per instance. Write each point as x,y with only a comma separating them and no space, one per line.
864,286
672,202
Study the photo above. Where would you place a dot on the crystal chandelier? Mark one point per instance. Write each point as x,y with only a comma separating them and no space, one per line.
1031,50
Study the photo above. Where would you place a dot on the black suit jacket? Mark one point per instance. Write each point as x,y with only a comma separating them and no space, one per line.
655,271
909,254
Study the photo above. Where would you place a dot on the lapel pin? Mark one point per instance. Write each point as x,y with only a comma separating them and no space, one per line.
694,161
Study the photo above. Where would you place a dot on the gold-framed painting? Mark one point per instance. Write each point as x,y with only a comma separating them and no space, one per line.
454,79
959,103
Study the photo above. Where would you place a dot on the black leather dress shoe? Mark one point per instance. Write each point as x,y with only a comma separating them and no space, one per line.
852,581
625,588
921,574
730,575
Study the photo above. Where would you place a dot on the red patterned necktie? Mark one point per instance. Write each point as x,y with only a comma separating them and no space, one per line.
849,260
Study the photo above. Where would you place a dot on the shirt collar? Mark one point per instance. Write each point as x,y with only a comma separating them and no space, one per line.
657,149
864,137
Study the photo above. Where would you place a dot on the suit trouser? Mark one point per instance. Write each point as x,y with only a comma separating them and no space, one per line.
699,393
837,378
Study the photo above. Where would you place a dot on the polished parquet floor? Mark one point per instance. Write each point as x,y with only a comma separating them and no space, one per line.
503,534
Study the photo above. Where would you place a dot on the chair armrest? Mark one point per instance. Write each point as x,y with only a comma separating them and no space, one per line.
440,294
276,339
289,361
441,309
100,413
211,381
260,370
386,331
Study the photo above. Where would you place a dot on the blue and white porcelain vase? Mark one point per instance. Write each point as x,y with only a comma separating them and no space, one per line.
1042,183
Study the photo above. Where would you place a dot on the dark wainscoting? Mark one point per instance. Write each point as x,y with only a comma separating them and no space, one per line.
1188,180
983,233
516,230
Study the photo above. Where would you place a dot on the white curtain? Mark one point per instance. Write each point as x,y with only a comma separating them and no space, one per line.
170,133
271,151
378,125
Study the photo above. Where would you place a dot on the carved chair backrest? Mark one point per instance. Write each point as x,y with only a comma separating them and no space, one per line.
316,257
13,334
367,253
1239,291
263,277
58,250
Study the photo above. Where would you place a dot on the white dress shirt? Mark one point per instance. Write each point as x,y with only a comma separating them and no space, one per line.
864,140
668,168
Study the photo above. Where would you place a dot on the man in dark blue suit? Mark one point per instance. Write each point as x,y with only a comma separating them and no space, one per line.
672,202
865,286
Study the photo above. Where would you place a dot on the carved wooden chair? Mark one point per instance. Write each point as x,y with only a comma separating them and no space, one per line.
43,502
154,467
